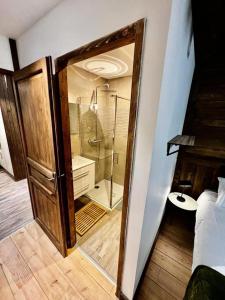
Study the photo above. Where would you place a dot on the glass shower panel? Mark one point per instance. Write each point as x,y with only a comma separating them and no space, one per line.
120,148
99,130
105,110
96,139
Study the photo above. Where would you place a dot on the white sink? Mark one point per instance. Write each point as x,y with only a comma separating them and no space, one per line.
80,162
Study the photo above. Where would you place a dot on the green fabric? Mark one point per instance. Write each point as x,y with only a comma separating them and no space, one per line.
205,284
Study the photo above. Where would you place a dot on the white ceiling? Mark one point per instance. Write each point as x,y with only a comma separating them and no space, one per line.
111,64
16,16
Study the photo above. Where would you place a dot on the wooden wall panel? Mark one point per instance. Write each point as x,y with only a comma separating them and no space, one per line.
202,171
9,113
206,113
205,117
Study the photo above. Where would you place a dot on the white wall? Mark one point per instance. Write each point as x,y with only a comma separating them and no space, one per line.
177,78
5,54
74,23
5,63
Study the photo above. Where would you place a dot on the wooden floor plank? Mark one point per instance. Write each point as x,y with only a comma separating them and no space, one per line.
95,274
22,282
79,272
37,233
169,269
166,281
183,245
15,205
182,258
77,276
151,290
5,290
153,271
47,273
172,266
171,284
33,268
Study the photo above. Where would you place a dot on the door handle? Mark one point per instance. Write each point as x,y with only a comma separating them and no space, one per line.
52,178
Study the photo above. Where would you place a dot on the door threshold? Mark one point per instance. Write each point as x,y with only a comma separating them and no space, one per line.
98,267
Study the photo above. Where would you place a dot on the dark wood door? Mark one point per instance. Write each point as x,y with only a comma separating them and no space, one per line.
37,116
9,114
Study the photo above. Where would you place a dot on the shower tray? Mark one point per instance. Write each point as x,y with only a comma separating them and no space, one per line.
101,193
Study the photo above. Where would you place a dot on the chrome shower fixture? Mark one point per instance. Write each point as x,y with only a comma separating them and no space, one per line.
106,86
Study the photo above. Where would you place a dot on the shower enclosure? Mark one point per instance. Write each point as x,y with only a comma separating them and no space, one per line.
103,129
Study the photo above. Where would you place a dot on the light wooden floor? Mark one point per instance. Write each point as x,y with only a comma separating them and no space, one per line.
15,206
169,269
101,242
32,268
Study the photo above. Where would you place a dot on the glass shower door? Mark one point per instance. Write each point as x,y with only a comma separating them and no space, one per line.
122,110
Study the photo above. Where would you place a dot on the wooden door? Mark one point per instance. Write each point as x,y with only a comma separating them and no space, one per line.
37,116
9,114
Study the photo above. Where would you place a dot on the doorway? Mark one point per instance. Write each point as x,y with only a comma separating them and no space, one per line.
98,86
99,92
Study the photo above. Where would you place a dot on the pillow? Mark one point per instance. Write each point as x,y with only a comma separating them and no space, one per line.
221,193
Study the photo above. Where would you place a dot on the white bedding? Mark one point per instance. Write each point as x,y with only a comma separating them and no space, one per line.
209,243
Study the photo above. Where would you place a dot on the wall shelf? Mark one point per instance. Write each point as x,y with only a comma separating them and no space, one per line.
180,140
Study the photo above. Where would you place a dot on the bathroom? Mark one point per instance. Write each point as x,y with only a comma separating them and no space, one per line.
99,93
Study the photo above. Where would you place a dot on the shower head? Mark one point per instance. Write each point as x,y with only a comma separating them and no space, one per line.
105,87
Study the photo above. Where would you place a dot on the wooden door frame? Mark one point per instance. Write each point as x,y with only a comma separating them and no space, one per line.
133,33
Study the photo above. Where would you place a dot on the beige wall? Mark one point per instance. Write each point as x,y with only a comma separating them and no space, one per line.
80,87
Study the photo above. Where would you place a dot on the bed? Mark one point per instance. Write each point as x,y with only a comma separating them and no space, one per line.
209,243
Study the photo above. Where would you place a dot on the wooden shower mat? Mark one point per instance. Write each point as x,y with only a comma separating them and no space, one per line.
87,216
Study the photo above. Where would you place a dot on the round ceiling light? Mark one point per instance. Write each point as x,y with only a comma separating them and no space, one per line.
102,67
106,66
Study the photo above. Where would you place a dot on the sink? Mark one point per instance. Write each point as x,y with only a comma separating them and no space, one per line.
80,162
